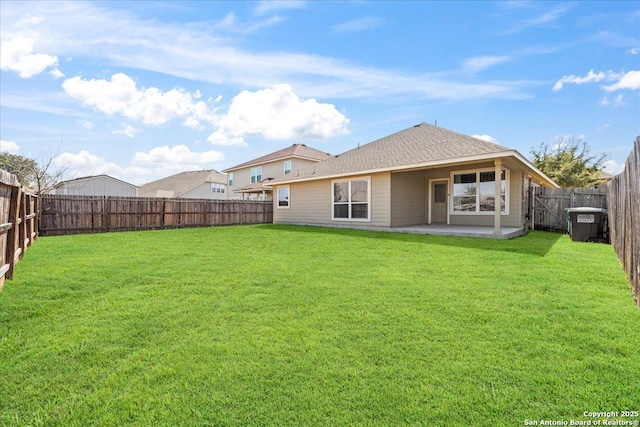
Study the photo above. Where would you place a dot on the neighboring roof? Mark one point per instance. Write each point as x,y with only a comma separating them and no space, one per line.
86,178
296,150
604,176
176,185
419,146
256,187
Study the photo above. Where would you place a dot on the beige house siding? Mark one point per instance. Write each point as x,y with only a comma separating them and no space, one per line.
310,203
397,199
408,198
97,186
275,169
203,191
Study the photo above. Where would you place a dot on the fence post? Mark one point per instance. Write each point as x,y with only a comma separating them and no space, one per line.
12,234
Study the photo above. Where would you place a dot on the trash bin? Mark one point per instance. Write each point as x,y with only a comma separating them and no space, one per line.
588,225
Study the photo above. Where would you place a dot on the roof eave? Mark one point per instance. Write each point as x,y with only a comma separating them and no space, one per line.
435,163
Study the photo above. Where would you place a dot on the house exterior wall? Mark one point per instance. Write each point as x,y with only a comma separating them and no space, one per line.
97,186
203,191
310,203
513,219
408,198
275,169
398,199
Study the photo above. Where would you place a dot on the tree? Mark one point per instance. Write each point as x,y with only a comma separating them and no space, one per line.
39,177
568,163
21,167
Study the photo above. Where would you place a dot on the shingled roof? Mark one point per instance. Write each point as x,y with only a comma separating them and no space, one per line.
296,150
418,146
176,185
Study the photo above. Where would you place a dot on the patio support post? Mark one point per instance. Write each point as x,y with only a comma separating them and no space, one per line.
498,199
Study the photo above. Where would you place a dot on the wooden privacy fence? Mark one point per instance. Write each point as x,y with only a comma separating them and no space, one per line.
64,214
550,204
18,223
623,197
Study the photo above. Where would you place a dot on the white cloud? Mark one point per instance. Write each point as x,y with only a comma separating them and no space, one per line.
550,16
634,51
479,63
85,164
612,167
213,54
119,95
163,161
265,6
127,130
619,101
144,167
9,147
604,101
17,55
85,124
277,113
363,24
487,138
590,77
56,73
630,80
179,154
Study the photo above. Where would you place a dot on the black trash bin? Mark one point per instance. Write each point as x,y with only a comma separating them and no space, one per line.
588,225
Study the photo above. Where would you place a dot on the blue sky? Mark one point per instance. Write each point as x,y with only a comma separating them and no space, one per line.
142,90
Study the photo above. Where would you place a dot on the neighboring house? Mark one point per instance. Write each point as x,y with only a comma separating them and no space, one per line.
419,176
204,184
603,178
99,185
251,180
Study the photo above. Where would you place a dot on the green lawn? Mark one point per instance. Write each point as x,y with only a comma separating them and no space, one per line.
282,325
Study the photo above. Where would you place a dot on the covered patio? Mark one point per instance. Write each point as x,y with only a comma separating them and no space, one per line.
486,232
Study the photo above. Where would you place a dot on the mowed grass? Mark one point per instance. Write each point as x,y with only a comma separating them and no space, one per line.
283,325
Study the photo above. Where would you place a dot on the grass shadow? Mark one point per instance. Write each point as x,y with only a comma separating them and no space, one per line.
536,243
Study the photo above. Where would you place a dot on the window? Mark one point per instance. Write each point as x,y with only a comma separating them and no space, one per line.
230,176
287,167
283,196
350,200
440,193
256,174
474,192
217,188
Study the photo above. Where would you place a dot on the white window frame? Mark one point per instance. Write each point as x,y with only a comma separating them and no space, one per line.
230,179
288,170
349,180
217,188
256,174
278,196
507,195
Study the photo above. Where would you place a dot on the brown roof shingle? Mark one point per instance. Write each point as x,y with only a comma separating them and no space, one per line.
176,185
420,144
296,150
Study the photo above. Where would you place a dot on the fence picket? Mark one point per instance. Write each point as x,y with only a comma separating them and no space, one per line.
67,214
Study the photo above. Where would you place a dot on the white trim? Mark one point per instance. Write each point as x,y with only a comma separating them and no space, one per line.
277,198
430,197
405,168
507,195
534,169
258,174
432,164
355,178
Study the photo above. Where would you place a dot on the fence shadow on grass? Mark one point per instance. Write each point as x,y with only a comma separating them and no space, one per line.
537,243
